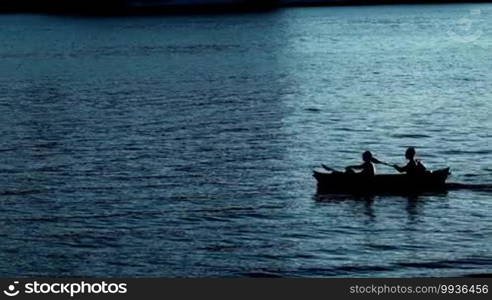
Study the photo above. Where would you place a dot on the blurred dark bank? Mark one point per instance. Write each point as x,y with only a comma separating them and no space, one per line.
163,6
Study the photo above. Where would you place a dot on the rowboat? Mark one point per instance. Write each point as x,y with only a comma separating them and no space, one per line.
332,182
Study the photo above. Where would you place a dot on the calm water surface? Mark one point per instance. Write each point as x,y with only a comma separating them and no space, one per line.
183,145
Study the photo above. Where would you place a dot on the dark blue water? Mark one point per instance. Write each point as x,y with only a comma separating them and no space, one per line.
184,145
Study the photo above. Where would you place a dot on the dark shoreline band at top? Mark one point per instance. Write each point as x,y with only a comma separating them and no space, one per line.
153,6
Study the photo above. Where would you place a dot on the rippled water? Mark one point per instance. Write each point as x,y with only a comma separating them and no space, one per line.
183,145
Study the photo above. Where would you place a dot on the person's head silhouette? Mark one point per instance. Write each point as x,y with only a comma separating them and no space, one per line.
367,156
410,153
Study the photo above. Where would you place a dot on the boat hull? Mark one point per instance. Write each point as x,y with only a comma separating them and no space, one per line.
347,183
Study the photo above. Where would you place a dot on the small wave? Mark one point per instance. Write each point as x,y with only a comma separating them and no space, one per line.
458,152
237,208
382,247
219,248
141,214
356,269
428,265
49,169
20,192
312,109
348,129
346,270
447,263
411,136
469,186
464,79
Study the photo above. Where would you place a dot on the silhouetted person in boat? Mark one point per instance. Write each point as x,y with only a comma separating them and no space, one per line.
367,166
413,166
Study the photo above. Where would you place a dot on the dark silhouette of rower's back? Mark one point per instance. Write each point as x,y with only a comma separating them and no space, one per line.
367,167
414,166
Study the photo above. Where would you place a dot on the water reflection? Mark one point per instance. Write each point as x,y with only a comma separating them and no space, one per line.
414,203
359,203
414,208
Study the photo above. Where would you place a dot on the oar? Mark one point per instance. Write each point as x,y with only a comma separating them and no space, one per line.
328,168
383,163
333,170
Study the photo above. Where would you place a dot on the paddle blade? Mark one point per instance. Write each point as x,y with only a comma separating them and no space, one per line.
327,168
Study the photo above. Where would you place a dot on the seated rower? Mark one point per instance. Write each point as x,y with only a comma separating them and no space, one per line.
367,166
413,166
